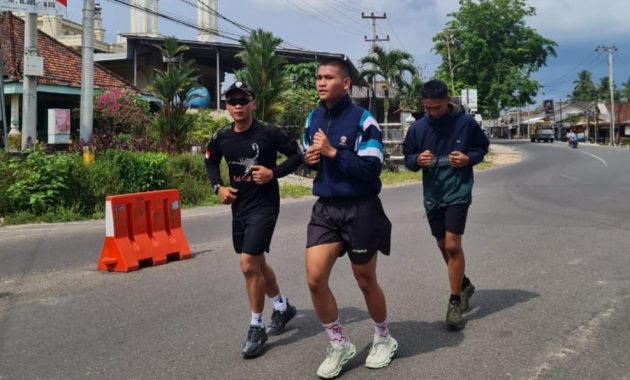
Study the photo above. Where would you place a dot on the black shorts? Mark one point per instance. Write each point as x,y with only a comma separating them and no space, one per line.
449,218
252,233
361,224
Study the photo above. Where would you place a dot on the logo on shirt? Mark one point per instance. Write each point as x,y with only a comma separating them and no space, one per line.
343,141
246,163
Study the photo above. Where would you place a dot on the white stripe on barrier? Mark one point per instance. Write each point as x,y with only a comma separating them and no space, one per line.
109,219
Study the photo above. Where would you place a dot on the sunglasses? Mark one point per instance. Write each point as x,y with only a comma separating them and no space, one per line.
238,101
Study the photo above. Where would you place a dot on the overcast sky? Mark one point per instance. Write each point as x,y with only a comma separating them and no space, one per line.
578,26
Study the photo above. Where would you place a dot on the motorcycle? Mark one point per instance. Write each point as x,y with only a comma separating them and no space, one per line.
573,142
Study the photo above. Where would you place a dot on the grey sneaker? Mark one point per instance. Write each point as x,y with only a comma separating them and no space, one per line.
336,356
467,292
454,315
253,346
382,351
279,319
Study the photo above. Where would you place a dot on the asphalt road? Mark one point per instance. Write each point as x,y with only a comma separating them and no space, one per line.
547,246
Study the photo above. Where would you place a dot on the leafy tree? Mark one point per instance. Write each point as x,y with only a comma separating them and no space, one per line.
625,91
295,109
172,87
584,89
301,75
603,90
263,72
410,94
500,49
391,66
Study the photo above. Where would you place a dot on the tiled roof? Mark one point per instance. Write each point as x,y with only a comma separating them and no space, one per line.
62,65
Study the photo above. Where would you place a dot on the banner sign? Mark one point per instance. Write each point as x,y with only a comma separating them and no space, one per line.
548,108
35,6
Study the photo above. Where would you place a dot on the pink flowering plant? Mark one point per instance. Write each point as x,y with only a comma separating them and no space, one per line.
120,116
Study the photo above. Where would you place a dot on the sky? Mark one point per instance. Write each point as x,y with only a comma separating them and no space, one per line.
578,26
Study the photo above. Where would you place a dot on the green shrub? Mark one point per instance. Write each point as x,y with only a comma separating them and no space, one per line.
44,182
119,172
204,127
6,180
187,173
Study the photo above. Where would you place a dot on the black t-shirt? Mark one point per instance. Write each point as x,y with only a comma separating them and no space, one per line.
258,145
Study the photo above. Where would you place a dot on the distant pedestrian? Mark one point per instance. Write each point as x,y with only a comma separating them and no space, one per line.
344,145
251,148
445,144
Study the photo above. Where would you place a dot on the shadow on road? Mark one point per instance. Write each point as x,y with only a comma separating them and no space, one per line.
418,337
488,301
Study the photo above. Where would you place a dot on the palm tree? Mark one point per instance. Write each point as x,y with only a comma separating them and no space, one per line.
625,91
172,87
584,89
603,91
263,71
410,94
391,66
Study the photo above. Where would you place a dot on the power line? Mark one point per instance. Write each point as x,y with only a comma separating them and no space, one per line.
589,60
324,19
174,19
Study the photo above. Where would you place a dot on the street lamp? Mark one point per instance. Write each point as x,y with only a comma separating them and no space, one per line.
453,75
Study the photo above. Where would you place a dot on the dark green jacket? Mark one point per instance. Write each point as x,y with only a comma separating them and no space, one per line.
442,184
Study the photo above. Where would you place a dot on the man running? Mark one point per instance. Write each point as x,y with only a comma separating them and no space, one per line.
445,144
344,145
251,149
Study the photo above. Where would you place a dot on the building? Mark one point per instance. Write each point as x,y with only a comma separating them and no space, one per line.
59,87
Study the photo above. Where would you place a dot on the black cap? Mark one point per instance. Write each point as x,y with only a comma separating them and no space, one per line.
240,86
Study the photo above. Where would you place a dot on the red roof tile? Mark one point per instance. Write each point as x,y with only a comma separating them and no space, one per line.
62,65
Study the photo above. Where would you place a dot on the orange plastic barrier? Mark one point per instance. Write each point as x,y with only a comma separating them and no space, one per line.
142,229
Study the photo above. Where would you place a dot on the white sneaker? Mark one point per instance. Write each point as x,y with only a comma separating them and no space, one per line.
336,356
381,352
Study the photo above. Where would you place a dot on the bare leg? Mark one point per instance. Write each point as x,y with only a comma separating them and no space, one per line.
456,262
319,262
252,268
365,274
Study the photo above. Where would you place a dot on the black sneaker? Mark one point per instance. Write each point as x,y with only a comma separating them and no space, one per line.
256,338
279,319
454,319
467,292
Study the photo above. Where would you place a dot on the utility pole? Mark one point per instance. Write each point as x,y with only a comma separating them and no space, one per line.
374,40
87,72
3,117
29,85
611,85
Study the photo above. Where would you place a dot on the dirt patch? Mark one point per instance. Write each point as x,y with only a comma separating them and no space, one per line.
504,155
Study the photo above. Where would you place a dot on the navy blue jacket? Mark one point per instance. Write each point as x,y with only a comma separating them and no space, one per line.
353,131
442,184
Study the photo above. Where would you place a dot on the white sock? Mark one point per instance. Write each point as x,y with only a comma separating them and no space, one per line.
335,332
257,320
381,329
279,302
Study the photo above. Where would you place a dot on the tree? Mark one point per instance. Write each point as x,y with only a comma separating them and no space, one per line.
263,72
500,49
584,89
172,87
301,75
410,95
391,66
603,90
625,91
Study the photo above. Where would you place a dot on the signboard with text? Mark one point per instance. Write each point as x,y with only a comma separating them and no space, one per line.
469,99
35,6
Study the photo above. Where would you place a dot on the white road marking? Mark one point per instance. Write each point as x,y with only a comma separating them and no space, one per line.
575,342
599,158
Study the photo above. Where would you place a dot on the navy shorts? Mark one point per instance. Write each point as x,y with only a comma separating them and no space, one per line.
360,224
252,233
449,218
